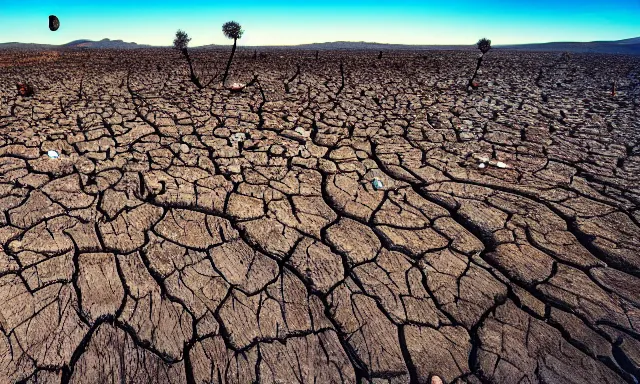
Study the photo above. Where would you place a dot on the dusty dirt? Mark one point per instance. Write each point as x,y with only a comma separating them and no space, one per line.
158,248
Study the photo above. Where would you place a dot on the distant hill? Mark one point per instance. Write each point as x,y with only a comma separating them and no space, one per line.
83,43
26,46
346,45
626,46
104,44
362,45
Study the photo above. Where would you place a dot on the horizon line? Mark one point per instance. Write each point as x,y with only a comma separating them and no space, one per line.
319,43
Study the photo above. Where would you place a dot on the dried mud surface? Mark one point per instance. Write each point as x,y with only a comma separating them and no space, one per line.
158,249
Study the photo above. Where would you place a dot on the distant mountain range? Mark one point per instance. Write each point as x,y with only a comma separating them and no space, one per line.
83,43
626,46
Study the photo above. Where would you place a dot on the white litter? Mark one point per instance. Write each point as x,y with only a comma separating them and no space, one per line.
53,154
500,164
481,165
301,131
236,86
377,183
239,136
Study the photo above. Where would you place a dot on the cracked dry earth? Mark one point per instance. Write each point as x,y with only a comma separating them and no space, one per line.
159,249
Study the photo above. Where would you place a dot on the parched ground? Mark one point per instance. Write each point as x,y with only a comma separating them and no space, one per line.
159,249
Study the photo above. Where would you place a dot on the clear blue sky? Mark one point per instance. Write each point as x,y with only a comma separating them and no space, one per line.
276,22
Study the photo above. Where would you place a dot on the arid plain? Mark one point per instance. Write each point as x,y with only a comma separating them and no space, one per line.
379,225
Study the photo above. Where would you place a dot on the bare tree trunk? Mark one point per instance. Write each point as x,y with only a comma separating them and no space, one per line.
475,73
226,71
194,78
613,88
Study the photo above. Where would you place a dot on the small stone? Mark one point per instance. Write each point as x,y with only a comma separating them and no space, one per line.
235,168
15,246
184,148
481,165
24,89
500,164
53,154
238,137
236,87
466,136
436,380
302,132
377,184
276,150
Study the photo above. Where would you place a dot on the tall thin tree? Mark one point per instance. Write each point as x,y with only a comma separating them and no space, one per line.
484,45
180,43
232,30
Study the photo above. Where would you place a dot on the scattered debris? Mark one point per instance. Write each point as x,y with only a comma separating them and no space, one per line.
24,89
301,131
482,165
500,164
236,87
54,23
53,154
238,137
466,136
377,184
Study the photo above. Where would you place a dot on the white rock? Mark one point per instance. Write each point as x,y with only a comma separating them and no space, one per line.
481,165
184,148
53,154
234,168
500,164
302,132
15,246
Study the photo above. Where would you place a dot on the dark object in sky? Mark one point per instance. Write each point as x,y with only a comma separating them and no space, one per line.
54,23
24,89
